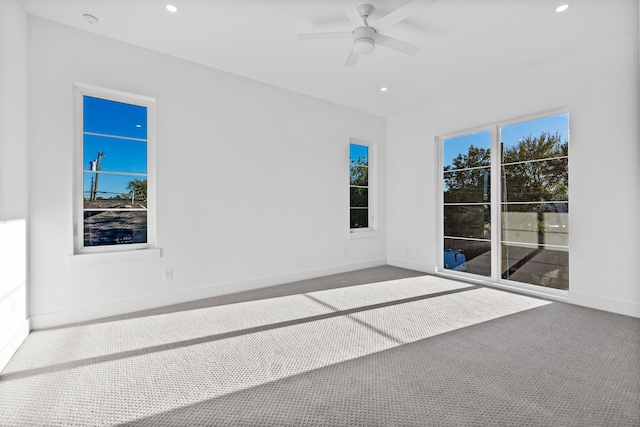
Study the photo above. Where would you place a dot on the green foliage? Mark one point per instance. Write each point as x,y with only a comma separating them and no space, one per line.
139,189
359,172
475,157
534,170
530,178
469,176
359,197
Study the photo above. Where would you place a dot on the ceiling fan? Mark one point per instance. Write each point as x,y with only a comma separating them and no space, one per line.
366,37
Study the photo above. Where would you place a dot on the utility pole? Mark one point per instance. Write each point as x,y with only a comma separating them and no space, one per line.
95,184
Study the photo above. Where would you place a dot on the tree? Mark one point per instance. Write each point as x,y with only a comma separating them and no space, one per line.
467,180
359,171
138,188
536,169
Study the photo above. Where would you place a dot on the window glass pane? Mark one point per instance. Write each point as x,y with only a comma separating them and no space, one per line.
467,151
536,265
117,155
471,256
472,185
358,154
116,189
471,221
359,175
538,181
114,172
114,118
114,227
467,196
536,224
536,139
359,197
359,182
359,218
535,207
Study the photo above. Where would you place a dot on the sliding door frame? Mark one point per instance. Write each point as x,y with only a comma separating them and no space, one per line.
495,279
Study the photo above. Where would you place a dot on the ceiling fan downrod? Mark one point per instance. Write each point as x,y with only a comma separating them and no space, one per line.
364,38
365,11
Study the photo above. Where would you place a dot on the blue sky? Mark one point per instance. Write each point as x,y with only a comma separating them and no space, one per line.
356,151
461,144
510,135
114,119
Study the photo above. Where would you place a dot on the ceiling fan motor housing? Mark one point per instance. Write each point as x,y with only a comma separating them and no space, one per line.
364,40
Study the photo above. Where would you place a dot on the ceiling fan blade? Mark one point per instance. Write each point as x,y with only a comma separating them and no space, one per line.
352,59
351,11
400,14
396,45
324,36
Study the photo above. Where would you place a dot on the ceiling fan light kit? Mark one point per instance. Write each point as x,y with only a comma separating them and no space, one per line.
364,40
365,37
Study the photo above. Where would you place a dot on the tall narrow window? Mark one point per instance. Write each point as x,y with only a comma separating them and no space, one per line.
114,145
520,230
359,186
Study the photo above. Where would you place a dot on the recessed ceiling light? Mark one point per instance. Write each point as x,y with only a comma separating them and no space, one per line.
562,8
138,126
383,89
172,8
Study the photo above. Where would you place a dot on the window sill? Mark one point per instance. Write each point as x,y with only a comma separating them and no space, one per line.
108,257
363,234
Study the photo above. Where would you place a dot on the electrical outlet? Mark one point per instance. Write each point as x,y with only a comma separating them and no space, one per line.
13,306
168,274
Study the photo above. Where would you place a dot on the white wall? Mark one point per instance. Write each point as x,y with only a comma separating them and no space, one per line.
233,211
600,86
252,180
14,325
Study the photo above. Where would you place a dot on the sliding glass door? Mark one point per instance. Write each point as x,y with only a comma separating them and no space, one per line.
466,203
518,232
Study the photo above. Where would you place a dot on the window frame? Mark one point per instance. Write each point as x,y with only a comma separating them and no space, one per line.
495,203
372,175
80,91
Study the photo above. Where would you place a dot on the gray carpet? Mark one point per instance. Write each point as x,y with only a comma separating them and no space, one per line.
379,347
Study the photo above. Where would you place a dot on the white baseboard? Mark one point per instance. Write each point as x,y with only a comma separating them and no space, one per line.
14,342
82,314
615,306
412,265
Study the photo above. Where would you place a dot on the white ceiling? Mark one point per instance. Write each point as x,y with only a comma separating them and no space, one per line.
464,43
